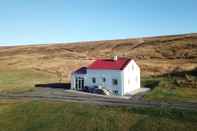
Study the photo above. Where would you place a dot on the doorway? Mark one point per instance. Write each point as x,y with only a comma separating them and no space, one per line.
79,83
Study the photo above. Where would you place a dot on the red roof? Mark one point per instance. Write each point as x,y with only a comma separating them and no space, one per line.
111,64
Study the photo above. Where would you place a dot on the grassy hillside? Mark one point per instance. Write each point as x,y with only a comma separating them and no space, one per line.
176,86
23,80
59,116
22,67
155,55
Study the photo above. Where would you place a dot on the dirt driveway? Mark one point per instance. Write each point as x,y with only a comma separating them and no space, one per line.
75,96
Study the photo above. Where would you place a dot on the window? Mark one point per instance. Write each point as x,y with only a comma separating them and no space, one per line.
115,92
136,78
103,79
132,67
93,80
129,82
114,81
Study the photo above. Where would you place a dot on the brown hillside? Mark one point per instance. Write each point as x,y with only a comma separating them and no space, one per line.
155,55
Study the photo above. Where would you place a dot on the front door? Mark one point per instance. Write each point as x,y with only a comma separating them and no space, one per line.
79,83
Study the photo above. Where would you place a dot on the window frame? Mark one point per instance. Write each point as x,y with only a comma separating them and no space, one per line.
116,92
114,82
93,80
129,81
103,79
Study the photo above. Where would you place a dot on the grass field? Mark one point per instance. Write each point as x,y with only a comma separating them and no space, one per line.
23,79
59,116
164,88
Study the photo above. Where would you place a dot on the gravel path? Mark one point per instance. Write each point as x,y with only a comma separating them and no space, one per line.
49,94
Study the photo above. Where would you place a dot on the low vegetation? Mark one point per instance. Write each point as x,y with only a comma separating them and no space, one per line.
22,67
59,116
178,85
23,80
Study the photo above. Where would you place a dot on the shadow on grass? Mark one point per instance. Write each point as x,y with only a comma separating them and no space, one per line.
176,78
181,73
55,85
151,84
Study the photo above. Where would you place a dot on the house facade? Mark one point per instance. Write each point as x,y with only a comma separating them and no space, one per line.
119,76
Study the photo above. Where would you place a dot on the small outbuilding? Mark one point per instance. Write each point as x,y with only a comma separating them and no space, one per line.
118,76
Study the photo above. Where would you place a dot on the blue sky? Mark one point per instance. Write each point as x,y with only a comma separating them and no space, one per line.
48,21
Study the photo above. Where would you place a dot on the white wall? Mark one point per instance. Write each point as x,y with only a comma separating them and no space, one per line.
108,75
131,78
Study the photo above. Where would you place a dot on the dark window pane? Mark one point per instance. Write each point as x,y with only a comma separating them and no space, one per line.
93,80
103,79
114,81
115,92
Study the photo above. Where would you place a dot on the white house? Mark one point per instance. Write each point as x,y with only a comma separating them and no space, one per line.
119,76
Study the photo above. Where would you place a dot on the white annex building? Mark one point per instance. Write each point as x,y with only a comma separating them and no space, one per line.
119,76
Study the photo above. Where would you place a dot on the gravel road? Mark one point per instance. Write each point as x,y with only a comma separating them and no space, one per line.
50,94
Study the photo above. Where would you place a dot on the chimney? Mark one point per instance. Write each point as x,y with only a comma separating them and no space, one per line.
115,58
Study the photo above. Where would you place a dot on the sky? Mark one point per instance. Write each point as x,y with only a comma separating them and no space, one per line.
55,21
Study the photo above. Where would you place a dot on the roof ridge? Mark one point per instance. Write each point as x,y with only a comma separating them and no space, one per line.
111,64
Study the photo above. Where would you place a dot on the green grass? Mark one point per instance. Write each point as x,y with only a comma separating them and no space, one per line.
22,80
171,88
166,88
60,116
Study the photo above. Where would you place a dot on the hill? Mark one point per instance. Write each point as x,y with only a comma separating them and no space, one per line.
24,66
155,55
